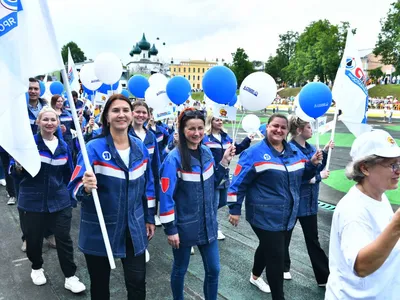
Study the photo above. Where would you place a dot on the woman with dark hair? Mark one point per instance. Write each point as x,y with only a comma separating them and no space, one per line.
125,187
141,114
269,174
188,210
300,132
46,203
218,140
364,247
66,121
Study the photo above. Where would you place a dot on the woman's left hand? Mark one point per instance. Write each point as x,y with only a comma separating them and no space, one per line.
331,145
230,152
317,158
151,229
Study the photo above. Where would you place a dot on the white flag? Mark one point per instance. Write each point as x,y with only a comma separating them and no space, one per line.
72,74
349,90
22,55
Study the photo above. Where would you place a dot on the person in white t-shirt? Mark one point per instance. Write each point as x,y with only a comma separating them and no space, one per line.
364,249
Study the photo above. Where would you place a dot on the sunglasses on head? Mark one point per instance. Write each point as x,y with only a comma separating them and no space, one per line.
194,113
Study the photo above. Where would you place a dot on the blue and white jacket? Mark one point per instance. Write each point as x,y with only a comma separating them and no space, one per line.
271,182
32,118
126,197
187,203
309,192
47,191
79,105
162,137
68,122
218,149
154,159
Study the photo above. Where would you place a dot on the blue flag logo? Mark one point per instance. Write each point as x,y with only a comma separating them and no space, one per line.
9,15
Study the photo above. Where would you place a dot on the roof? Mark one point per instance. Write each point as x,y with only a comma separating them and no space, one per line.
144,44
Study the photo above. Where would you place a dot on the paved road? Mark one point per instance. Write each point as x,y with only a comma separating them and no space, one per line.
236,254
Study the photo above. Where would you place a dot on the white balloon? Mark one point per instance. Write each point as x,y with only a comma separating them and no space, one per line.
156,97
251,123
88,78
158,80
108,68
257,91
299,112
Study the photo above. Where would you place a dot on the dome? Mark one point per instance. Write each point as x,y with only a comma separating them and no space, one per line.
135,50
153,50
144,44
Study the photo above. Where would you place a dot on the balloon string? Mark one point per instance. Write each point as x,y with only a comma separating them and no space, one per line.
237,127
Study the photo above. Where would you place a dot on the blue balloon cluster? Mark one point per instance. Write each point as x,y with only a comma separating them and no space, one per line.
315,98
42,88
220,84
56,88
87,91
178,89
137,85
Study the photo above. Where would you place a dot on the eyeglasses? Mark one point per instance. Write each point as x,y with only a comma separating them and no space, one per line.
395,167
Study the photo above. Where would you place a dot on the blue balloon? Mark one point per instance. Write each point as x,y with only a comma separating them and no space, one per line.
315,98
220,84
137,85
178,89
233,101
87,91
125,93
56,88
104,88
42,88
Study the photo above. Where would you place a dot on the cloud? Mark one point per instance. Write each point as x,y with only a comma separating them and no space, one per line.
199,29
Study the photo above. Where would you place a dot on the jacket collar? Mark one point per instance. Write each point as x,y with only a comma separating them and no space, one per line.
306,150
61,149
135,153
147,139
288,149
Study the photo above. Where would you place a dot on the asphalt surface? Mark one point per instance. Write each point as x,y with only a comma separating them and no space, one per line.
236,256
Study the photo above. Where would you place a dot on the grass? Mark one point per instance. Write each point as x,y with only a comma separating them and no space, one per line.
379,91
338,181
394,128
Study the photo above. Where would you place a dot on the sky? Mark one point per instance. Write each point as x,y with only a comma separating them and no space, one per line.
204,29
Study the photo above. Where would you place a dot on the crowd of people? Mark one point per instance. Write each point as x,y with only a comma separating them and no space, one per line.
147,173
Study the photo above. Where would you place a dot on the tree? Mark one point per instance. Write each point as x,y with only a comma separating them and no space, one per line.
388,44
241,65
375,73
76,53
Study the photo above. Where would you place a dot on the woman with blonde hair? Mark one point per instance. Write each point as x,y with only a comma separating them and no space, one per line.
47,203
217,139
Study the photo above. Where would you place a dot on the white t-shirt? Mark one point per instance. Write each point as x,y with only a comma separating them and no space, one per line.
141,135
124,154
52,145
217,136
358,220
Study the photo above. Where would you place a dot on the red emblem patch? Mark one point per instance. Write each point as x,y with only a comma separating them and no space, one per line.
164,184
237,170
76,172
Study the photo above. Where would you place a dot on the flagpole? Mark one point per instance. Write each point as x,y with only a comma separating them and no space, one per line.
88,168
328,161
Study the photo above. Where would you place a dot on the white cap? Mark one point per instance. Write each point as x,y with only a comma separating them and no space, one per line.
376,142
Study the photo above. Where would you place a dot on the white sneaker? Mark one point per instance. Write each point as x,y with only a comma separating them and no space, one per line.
3,182
38,277
11,201
74,285
157,220
147,255
260,283
192,251
287,276
220,236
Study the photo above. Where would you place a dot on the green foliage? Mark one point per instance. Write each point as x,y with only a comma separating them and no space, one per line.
289,92
388,44
76,53
241,65
375,73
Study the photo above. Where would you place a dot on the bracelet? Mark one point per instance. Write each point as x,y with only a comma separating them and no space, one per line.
225,166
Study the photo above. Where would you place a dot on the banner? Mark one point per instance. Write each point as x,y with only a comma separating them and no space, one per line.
73,78
161,114
224,112
21,57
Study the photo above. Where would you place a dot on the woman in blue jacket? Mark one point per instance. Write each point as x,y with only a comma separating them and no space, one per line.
126,192
46,202
218,141
301,131
269,175
188,210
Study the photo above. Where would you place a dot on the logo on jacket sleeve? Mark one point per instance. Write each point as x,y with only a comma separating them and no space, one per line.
267,156
164,184
106,155
238,169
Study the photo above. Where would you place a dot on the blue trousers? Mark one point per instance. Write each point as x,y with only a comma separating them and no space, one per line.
210,256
